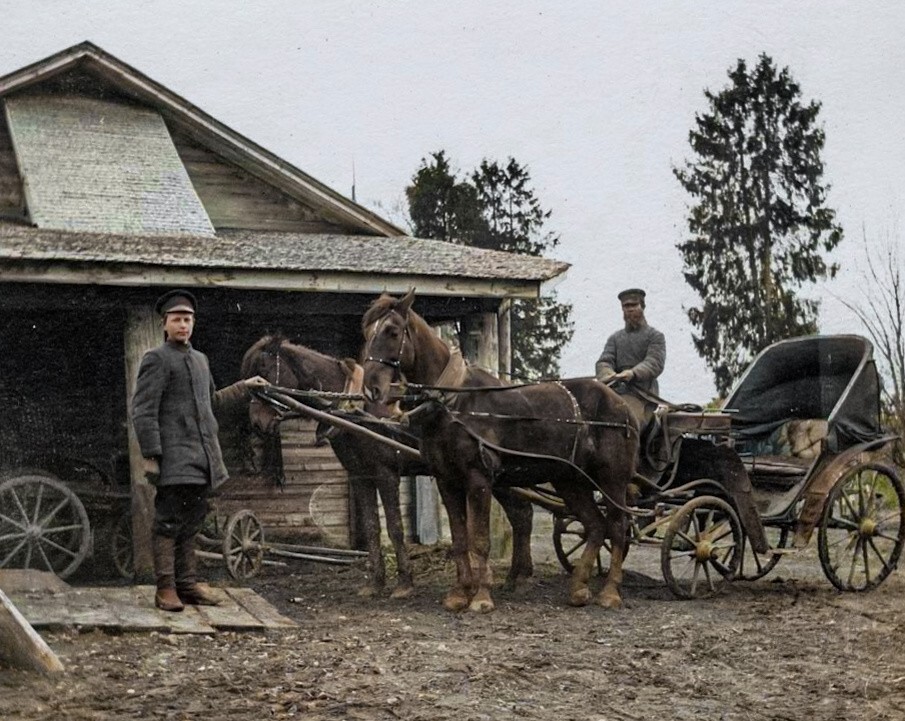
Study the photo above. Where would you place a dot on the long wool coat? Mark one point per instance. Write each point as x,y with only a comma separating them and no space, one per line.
173,415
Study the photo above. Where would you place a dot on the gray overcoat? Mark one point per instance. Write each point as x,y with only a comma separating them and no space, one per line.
173,415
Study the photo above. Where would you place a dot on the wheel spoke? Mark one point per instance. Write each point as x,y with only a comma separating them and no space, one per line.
47,564
62,504
694,579
19,505
58,547
13,522
60,529
866,563
38,496
13,553
879,555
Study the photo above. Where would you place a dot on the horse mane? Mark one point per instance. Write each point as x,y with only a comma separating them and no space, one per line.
378,308
295,355
266,344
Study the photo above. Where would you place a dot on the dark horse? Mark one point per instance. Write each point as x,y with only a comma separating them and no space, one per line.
372,466
577,434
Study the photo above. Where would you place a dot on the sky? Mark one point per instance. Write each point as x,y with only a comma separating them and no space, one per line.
596,98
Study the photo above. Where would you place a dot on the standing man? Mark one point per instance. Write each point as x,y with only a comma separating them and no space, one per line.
634,355
173,416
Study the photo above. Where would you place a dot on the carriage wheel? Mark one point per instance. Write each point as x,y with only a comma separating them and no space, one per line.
569,541
43,525
756,565
121,546
863,527
702,548
243,545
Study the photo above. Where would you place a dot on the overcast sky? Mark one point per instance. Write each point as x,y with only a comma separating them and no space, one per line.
597,98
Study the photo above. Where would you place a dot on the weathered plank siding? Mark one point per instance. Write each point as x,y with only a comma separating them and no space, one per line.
312,506
235,199
11,203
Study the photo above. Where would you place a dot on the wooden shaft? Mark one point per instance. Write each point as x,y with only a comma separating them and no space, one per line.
342,423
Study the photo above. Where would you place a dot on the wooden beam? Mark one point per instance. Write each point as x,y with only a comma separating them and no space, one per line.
20,644
143,332
135,275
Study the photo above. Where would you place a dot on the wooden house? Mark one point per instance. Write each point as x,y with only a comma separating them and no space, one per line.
112,189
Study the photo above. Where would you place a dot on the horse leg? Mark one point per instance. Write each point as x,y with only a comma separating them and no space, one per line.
388,485
580,500
453,497
617,531
366,499
479,497
520,513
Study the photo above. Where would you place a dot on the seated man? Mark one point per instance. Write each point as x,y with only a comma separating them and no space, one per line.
634,355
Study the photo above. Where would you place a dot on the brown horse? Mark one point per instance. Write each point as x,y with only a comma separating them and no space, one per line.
372,466
578,435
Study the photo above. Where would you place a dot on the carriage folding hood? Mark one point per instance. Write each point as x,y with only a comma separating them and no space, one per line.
830,377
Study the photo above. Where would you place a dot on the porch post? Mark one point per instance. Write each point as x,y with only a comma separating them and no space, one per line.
143,332
482,348
504,333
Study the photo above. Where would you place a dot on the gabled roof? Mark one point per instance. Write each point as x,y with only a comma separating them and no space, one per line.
231,145
271,261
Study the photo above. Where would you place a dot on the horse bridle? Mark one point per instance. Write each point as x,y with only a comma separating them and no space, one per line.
394,363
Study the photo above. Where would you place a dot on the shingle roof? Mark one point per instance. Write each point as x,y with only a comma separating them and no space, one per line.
262,251
101,166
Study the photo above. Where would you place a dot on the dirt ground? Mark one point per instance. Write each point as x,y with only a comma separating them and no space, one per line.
785,647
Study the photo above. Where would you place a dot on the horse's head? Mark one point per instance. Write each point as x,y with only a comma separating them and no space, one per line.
273,358
388,352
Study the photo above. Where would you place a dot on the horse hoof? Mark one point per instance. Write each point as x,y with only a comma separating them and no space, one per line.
609,600
581,597
481,603
402,592
455,601
484,606
368,591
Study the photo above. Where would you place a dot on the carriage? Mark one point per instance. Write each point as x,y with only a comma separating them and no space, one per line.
796,447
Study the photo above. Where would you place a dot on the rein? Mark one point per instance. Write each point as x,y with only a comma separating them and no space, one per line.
482,442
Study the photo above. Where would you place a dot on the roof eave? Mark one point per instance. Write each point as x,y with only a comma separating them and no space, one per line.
135,274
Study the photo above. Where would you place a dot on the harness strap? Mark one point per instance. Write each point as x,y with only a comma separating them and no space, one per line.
581,429
455,371
483,442
355,381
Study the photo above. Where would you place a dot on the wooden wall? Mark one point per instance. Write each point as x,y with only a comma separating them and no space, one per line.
236,199
12,204
313,504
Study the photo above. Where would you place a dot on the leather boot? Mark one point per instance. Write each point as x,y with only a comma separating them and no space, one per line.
164,550
187,586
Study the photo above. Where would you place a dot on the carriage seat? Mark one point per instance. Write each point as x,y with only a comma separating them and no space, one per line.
784,457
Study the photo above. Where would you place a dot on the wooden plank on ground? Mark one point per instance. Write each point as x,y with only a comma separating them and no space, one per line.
229,615
20,644
259,608
136,603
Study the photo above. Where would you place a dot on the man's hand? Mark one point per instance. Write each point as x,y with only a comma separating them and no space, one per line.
626,375
151,467
255,382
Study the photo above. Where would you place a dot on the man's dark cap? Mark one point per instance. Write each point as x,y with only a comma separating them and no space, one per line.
175,301
635,295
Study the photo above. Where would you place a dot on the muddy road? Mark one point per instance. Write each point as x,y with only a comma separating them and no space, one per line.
786,647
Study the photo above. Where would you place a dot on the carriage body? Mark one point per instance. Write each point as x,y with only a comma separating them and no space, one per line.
797,446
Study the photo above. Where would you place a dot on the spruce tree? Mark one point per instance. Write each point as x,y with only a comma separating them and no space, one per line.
759,222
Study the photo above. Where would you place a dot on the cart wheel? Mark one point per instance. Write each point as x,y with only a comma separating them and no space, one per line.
121,546
863,527
702,548
756,565
243,545
43,525
569,541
